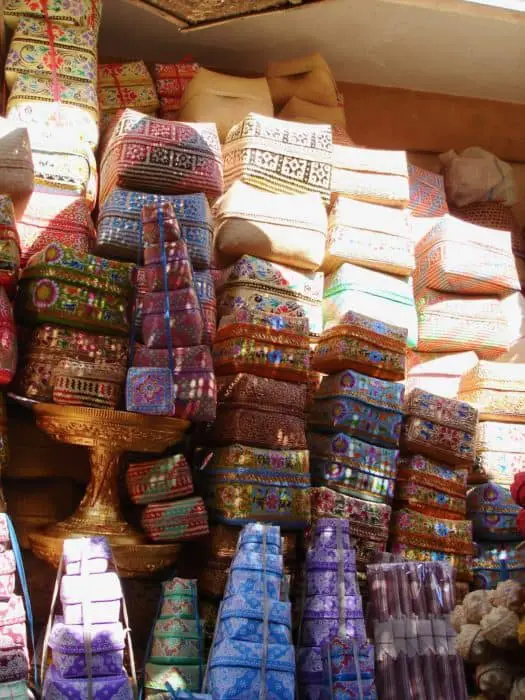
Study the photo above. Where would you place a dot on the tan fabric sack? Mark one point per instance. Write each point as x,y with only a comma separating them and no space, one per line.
283,228
16,161
371,175
308,78
297,110
224,99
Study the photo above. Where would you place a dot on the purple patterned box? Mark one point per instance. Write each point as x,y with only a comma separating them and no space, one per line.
327,583
330,532
328,559
56,687
322,607
340,658
69,653
94,552
309,666
315,633
103,591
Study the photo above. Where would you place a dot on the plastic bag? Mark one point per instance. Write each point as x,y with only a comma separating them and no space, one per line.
475,175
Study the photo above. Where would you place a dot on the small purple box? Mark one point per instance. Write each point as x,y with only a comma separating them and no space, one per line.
328,559
56,687
327,583
69,652
315,633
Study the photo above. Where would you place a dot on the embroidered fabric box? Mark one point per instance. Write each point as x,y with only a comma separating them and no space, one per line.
364,344
104,593
12,611
69,654
449,323
194,379
175,521
459,257
427,193
493,513
440,428
50,217
258,426
9,245
49,344
267,287
495,562
224,99
73,53
62,163
150,390
353,467
367,408
8,340
497,390
171,81
59,286
331,607
122,85
377,295
165,651
500,451
438,373
242,619
268,345
375,176
315,633
117,687
245,483
178,266
426,532
14,690
86,384
119,224
78,13
278,156
235,670
428,487
288,229
149,154
371,235
348,665
185,318
181,677
16,160
205,288
14,665
178,605
93,552
159,480
67,103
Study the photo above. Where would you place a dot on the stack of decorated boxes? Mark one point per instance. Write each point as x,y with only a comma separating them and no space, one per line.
497,390
410,606
252,653
332,623
88,639
269,241
429,521
176,654
51,72
14,657
143,163
369,319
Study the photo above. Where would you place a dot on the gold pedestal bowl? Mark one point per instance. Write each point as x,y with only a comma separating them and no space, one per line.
107,434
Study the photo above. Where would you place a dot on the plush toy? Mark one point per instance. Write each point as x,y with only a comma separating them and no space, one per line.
458,618
472,645
518,689
509,595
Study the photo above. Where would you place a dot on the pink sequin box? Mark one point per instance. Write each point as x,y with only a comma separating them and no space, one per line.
7,573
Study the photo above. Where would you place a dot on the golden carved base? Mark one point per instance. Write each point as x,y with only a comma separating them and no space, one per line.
107,434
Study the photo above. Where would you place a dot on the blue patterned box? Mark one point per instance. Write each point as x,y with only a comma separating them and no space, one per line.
241,618
235,671
246,575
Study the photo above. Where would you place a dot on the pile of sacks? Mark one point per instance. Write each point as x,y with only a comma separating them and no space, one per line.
491,637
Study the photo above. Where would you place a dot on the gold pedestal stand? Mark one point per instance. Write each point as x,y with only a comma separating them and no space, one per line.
107,434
